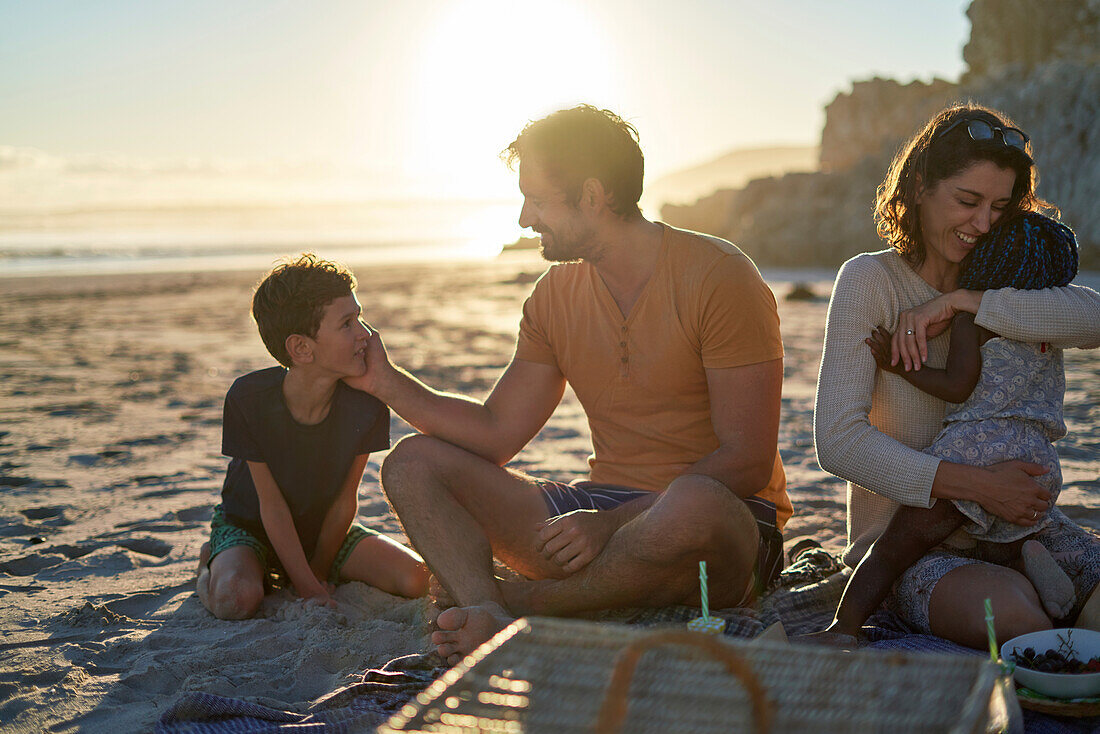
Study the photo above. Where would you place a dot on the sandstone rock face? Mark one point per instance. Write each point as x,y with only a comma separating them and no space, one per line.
1058,104
1025,34
875,116
797,220
1038,63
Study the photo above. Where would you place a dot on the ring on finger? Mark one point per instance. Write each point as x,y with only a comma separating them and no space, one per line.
1034,514
909,332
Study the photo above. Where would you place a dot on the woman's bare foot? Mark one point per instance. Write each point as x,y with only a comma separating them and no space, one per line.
1054,587
1089,618
463,629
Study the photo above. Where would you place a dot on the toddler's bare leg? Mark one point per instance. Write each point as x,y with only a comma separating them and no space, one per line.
1054,586
911,533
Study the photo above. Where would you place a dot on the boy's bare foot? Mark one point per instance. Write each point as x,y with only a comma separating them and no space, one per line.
204,558
1054,587
463,629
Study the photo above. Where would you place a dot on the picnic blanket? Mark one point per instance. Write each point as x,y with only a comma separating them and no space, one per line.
803,599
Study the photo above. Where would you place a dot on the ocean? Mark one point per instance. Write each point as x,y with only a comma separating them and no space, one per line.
183,237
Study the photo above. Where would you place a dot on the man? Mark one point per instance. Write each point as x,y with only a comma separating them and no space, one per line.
671,342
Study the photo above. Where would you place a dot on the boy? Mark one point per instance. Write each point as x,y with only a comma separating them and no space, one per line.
299,440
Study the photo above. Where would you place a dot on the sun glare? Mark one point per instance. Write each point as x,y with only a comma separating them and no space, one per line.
488,66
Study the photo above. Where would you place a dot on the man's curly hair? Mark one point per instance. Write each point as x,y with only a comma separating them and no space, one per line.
583,142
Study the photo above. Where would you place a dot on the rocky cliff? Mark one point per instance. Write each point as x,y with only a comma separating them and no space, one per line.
1037,62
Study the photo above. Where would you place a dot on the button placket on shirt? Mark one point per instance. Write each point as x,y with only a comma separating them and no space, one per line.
624,354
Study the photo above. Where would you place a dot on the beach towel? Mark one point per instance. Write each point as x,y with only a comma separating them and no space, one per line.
357,707
803,599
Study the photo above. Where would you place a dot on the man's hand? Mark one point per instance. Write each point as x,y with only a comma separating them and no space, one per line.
380,369
1013,494
572,540
880,344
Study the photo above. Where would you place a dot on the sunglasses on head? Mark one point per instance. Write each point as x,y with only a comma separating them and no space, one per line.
979,130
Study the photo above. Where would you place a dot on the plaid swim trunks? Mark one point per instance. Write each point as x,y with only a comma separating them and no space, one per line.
225,535
561,498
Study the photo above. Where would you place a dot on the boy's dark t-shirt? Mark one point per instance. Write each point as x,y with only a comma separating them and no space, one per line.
309,463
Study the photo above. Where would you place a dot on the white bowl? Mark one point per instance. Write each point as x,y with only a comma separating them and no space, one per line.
1086,643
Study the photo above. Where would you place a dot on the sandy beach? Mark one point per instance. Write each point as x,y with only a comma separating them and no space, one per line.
111,393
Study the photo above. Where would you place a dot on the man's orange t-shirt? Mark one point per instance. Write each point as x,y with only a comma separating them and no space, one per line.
642,379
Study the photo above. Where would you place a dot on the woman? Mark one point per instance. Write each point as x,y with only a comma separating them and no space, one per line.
965,170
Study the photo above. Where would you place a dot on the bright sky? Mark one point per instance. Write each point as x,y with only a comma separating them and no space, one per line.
421,95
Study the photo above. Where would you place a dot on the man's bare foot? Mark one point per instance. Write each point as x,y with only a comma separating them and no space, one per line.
1054,587
438,600
463,629
519,595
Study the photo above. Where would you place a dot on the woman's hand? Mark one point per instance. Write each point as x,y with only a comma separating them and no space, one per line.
927,321
1011,493
916,326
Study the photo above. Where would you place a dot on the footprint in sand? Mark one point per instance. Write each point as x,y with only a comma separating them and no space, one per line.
147,546
60,444
13,528
55,513
33,563
146,479
202,513
13,482
158,493
73,552
85,459
158,440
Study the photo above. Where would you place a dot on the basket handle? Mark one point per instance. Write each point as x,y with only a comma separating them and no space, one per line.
613,710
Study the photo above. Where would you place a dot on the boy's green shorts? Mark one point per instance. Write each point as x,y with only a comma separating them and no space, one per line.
224,535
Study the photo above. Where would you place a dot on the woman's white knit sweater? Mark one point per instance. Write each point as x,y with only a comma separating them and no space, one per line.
870,425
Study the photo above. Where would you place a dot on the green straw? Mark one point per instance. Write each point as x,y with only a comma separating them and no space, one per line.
703,589
989,630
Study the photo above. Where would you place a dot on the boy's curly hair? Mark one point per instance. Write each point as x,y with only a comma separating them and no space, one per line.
291,299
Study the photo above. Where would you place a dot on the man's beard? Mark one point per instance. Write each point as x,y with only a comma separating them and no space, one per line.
563,251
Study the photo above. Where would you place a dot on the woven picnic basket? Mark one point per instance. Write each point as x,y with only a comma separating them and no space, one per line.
553,675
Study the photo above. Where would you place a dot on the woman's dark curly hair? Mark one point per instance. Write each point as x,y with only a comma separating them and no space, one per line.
930,157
